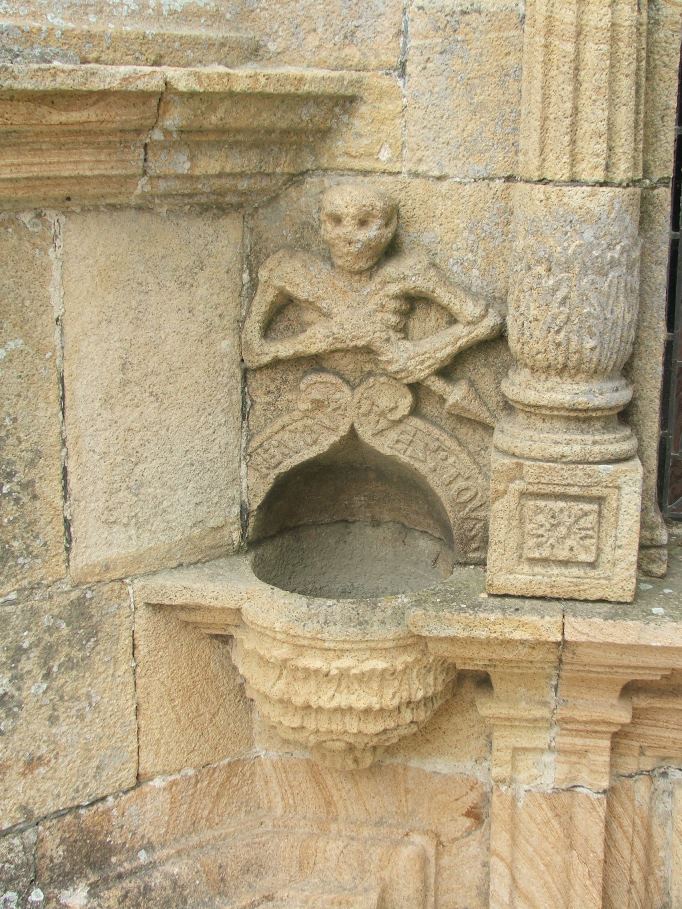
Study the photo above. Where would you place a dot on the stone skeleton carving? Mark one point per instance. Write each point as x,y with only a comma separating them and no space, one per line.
359,302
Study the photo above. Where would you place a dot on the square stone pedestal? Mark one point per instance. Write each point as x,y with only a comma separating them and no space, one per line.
564,530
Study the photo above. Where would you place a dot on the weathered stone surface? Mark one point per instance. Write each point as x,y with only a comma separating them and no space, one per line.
676,851
32,543
17,871
191,707
564,530
340,35
660,101
638,850
645,370
463,88
583,86
455,738
68,719
459,227
44,42
152,388
573,301
547,850
245,828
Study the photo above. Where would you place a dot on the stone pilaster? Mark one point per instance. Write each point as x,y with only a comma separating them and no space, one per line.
566,482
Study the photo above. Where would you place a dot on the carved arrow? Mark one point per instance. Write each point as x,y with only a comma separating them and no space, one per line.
461,398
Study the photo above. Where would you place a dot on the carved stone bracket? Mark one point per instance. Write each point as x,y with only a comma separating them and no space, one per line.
344,680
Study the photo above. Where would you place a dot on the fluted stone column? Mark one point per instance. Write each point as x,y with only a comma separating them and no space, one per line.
566,482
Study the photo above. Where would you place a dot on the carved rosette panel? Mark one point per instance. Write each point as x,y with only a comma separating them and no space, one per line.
380,410
344,702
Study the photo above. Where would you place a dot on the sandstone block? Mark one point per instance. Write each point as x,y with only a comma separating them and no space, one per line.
68,726
547,849
16,871
32,541
560,530
645,370
228,834
660,101
191,707
637,848
152,388
464,88
356,35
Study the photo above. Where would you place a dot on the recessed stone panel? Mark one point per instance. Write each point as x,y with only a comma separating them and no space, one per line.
153,393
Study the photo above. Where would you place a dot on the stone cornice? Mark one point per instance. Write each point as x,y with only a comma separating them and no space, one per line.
74,135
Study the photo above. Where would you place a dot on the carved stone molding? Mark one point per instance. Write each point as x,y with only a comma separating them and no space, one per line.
317,664
573,301
344,701
583,90
566,485
103,133
380,410
344,680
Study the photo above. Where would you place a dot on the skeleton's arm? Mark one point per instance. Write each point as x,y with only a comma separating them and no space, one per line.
476,321
286,276
428,282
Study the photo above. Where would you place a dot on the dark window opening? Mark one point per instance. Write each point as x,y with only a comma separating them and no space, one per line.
670,480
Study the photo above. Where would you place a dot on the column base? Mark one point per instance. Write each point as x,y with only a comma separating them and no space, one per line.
564,530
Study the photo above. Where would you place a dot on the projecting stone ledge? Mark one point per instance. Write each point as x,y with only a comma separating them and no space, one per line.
349,677
80,134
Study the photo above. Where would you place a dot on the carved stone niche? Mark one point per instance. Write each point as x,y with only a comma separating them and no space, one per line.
358,495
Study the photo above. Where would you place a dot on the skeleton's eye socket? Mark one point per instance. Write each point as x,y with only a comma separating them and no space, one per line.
363,221
334,219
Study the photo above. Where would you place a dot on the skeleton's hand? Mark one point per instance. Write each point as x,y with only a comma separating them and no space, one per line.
408,361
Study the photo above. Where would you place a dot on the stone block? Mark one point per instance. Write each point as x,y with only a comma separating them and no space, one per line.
226,834
191,706
152,385
32,541
368,137
676,851
16,871
560,530
340,35
68,723
645,370
637,849
463,88
660,100
547,849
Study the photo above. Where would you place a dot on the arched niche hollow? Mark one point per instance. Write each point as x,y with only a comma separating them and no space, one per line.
351,522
